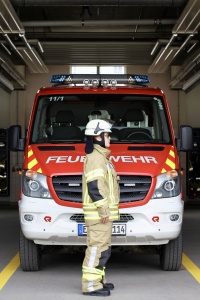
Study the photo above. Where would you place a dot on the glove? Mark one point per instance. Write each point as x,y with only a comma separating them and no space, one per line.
104,211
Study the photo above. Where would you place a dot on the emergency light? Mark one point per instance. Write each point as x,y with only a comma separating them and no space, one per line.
103,80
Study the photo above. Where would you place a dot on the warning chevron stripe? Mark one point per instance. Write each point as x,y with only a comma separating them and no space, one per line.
32,161
30,152
170,161
172,153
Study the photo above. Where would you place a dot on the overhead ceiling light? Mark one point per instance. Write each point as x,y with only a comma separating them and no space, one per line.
160,65
197,27
32,67
40,47
29,55
12,45
168,55
10,21
11,70
184,43
195,59
37,57
8,51
161,53
6,22
164,54
33,60
191,62
25,40
154,48
188,22
192,21
6,82
10,42
191,47
176,81
36,42
33,57
191,81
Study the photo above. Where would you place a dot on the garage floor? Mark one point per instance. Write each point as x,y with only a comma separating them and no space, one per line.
136,276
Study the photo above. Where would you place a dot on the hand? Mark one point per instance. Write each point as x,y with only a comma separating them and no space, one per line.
105,220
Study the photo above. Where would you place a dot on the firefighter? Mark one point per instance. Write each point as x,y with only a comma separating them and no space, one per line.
100,206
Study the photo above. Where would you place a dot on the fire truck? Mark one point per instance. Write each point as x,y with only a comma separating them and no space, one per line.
144,151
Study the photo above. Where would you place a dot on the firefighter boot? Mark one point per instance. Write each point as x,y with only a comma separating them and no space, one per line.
109,286
101,292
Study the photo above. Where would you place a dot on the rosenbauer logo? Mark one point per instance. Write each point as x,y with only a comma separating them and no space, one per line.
47,219
115,159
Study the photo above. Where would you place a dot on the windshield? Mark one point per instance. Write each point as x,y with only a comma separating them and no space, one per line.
138,118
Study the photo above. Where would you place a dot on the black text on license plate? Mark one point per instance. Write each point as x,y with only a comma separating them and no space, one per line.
117,229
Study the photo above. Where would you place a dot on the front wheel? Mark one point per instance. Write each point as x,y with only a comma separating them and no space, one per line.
171,254
30,254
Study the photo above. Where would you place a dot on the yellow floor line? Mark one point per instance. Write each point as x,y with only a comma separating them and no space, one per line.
191,267
9,270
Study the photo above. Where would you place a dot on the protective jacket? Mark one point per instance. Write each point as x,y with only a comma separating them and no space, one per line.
100,187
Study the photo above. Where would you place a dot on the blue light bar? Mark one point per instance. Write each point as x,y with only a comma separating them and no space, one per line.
81,78
58,78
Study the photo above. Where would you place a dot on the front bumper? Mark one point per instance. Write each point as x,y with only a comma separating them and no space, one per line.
150,224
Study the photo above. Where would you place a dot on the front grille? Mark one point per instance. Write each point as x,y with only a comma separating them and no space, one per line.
79,218
68,188
132,188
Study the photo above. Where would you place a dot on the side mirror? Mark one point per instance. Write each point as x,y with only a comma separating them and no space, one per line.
15,142
185,143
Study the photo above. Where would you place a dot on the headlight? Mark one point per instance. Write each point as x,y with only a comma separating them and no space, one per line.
35,185
168,185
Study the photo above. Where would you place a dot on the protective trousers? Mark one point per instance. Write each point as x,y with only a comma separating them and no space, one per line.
96,256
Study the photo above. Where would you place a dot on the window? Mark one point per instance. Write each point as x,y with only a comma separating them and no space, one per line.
138,118
98,70
83,69
112,70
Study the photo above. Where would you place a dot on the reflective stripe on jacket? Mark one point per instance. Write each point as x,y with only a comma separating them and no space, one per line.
100,187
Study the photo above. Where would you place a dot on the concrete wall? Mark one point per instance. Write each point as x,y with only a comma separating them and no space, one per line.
36,81
193,107
4,108
15,108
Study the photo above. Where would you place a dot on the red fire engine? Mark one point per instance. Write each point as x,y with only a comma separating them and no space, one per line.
143,149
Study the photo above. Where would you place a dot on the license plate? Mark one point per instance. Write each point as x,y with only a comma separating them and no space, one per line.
117,229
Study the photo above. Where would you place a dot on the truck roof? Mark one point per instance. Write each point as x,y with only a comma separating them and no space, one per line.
100,84
143,90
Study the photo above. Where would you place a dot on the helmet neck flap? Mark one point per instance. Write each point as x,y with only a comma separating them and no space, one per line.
102,142
89,147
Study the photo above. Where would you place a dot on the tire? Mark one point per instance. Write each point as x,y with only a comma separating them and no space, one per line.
171,254
30,254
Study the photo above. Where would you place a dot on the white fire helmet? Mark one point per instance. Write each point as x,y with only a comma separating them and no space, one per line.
97,126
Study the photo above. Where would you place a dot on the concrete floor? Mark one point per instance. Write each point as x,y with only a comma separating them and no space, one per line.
136,276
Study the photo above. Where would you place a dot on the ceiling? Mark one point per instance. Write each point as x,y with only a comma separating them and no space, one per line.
158,33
